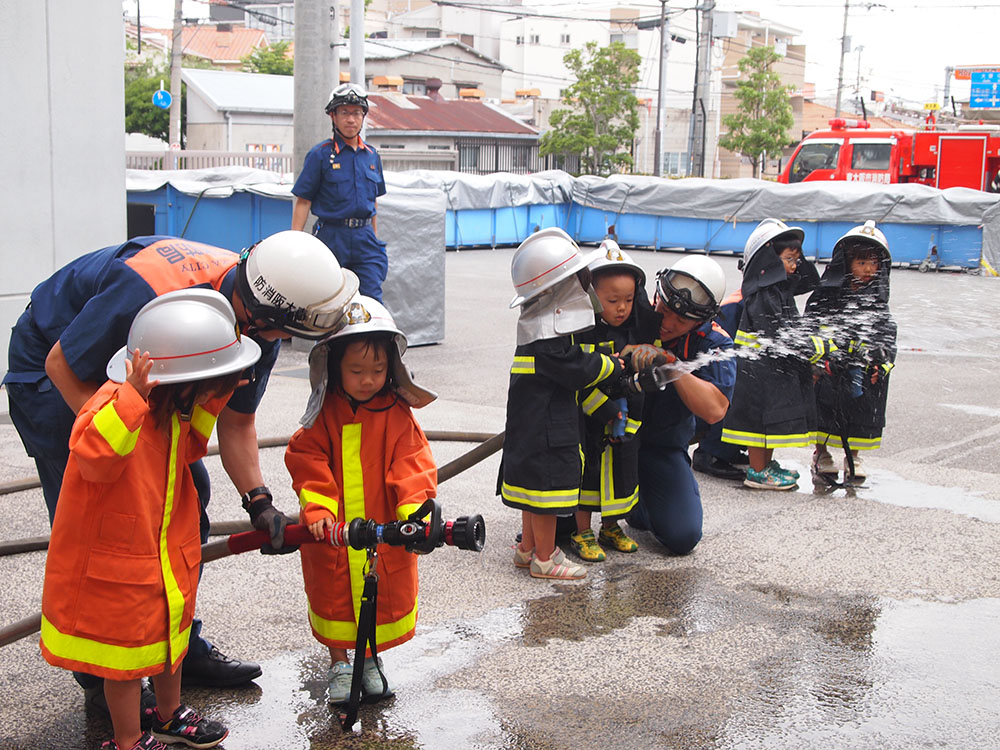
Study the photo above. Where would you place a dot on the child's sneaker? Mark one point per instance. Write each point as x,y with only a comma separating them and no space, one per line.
558,567
146,742
781,470
188,727
769,479
371,682
614,537
522,559
859,471
823,462
339,678
585,545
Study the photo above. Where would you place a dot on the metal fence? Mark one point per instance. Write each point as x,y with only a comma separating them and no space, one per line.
475,156
485,155
271,161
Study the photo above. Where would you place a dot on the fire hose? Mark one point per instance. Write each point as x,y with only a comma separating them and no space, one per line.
246,540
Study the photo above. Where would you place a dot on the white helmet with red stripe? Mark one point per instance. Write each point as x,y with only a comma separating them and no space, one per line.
542,261
190,334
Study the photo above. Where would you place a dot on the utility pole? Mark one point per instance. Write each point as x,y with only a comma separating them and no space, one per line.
844,42
317,72
948,72
660,98
702,82
176,50
358,42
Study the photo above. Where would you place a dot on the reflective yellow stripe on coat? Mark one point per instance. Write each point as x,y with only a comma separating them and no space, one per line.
353,493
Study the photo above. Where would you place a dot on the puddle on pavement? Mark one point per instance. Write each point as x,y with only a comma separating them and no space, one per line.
914,674
822,671
892,489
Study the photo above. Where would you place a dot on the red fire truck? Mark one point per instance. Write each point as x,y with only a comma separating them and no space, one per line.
850,150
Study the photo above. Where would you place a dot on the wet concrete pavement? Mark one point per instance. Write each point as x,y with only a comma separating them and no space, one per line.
834,620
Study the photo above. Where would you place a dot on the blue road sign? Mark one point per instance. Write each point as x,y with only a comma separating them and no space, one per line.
161,99
985,90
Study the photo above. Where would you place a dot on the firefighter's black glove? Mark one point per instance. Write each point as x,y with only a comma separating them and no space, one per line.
265,517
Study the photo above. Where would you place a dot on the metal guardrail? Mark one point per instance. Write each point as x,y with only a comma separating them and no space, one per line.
272,161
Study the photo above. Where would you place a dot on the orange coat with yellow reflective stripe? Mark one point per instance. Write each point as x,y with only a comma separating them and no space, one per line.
375,463
122,567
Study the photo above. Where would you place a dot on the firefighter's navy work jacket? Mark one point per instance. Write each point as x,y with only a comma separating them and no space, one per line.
667,422
88,306
542,463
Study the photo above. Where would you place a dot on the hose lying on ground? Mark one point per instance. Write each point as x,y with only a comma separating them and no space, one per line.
488,445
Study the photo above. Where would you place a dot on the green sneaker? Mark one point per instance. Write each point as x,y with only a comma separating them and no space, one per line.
769,479
586,546
614,537
781,470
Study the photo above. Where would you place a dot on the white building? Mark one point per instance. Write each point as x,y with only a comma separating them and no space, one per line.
64,126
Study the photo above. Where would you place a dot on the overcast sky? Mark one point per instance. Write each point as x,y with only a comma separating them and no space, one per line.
906,44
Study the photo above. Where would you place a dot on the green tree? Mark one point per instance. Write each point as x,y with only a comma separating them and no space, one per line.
603,116
141,115
765,110
270,59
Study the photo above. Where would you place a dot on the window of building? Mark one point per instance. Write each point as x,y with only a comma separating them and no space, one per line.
468,157
277,21
564,39
519,40
535,38
417,88
433,34
438,147
675,163
391,145
629,38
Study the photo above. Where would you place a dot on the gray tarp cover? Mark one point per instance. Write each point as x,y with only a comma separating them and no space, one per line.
754,200
411,223
471,191
696,198
991,237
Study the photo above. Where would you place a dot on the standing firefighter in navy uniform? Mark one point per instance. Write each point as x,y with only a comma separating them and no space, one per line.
341,179
542,462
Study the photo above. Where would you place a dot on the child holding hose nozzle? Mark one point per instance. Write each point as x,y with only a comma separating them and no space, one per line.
541,466
773,404
122,569
611,420
360,454
852,306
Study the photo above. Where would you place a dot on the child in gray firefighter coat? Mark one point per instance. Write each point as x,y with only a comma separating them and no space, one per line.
852,306
611,448
772,405
541,466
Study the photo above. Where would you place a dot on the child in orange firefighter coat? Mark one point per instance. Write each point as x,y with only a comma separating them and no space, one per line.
122,567
360,454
